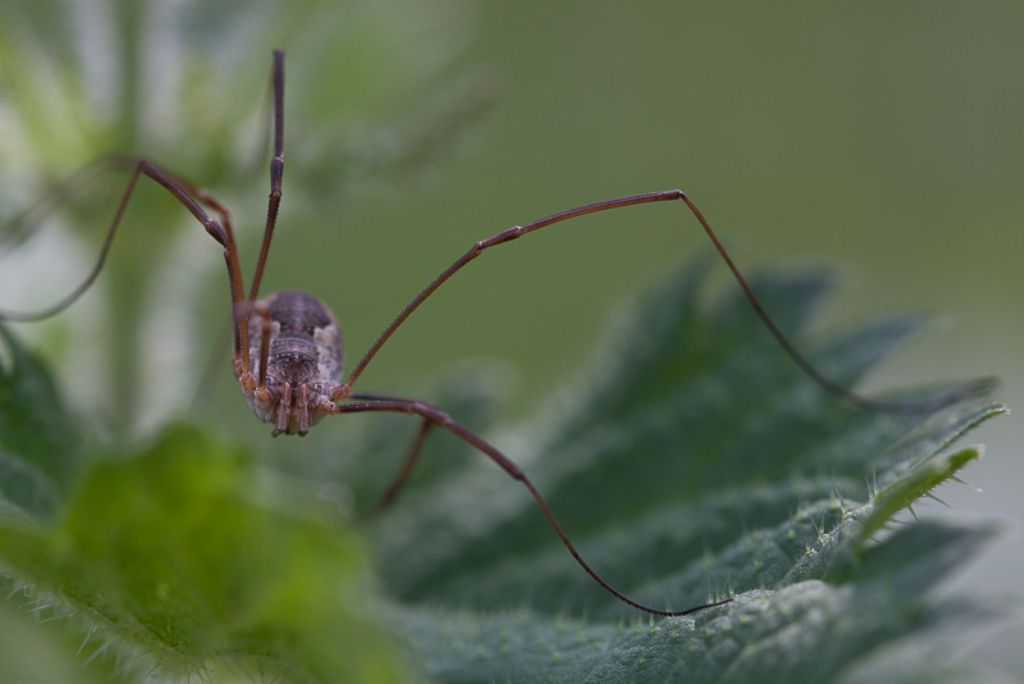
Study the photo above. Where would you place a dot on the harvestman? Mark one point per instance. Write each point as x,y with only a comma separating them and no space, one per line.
287,346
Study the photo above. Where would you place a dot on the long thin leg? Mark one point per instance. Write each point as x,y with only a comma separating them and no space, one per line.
412,456
204,197
441,419
26,221
276,172
22,225
927,405
212,203
174,185
243,310
265,331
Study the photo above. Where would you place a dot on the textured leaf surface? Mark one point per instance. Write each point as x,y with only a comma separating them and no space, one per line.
808,631
690,462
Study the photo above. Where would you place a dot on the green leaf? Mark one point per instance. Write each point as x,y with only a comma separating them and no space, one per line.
171,556
38,440
918,482
808,631
41,652
690,462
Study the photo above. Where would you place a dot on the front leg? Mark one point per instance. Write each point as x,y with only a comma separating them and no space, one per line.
922,406
433,415
412,456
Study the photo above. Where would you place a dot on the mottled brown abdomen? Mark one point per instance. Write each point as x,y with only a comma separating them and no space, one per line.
306,344
305,358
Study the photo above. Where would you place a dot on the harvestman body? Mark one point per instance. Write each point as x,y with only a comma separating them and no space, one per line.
302,357
288,356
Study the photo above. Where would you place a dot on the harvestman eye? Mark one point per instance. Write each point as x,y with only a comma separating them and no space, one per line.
288,356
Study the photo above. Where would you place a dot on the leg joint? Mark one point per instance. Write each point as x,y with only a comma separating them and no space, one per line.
216,232
432,413
504,236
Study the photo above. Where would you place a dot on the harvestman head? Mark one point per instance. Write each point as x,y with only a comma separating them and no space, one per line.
288,357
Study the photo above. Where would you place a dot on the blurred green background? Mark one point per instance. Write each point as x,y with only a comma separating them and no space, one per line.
883,138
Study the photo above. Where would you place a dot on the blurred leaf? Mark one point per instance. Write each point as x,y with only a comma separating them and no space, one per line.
35,650
395,156
171,558
38,441
691,461
142,77
373,99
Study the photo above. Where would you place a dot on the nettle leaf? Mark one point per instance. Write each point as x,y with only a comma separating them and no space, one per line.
174,558
807,632
692,461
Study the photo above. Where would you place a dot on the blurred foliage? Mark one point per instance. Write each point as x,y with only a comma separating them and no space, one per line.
35,482
188,556
164,80
373,100
174,557
690,461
